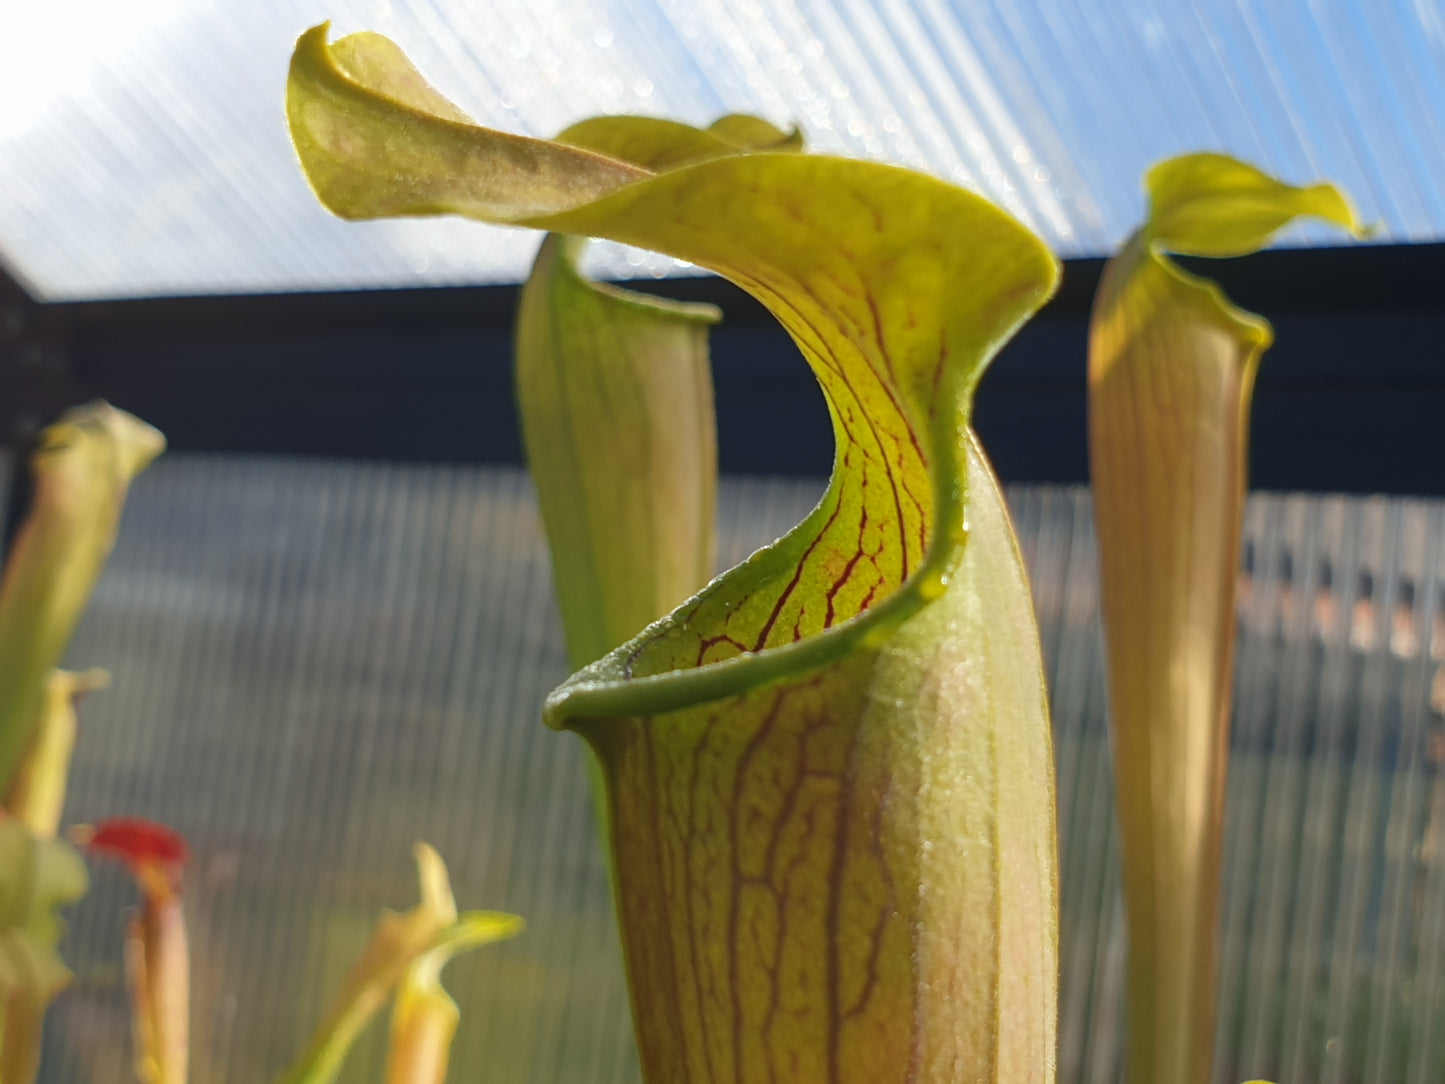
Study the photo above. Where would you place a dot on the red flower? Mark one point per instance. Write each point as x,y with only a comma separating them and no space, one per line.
154,853
157,956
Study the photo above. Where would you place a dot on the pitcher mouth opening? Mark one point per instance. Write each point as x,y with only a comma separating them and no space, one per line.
607,689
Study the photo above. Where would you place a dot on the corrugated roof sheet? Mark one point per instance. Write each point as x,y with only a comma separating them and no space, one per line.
143,147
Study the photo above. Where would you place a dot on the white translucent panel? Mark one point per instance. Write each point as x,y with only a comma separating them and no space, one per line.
318,662
143,147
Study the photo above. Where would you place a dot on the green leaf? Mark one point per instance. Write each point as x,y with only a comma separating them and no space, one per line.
82,469
829,774
1172,365
37,878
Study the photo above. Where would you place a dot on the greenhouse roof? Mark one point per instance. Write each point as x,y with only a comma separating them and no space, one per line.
143,147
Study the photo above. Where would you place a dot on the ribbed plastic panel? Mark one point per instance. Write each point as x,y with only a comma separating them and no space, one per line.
1333,938
143,146
318,663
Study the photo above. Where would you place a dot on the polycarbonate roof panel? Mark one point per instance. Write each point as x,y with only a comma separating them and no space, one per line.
143,147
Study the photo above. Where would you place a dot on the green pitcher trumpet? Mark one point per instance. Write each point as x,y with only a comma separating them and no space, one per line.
82,468
1171,369
404,955
424,1017
38,877
828,775
157,948
616,402
82,471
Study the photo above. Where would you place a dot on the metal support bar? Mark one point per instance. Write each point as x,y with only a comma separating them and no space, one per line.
1351,398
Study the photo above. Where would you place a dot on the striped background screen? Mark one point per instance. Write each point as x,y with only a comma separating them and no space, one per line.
318,663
